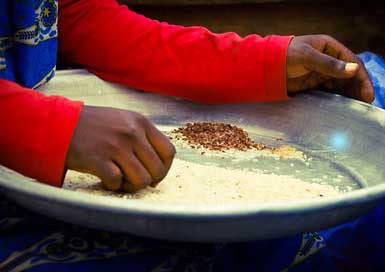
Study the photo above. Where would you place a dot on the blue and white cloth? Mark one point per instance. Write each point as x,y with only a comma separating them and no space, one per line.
28,41
375,66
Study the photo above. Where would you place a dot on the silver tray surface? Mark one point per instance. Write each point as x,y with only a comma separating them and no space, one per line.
344,137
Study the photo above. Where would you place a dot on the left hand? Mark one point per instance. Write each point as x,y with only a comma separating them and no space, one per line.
321,61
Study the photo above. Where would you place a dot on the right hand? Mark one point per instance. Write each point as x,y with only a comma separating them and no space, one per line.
120,147
321,61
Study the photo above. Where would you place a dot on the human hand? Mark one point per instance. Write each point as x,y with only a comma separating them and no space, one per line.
120,147
321,61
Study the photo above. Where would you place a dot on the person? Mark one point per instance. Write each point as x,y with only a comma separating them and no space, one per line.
42,136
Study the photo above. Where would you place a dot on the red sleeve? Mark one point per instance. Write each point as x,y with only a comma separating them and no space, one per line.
191,62
35,131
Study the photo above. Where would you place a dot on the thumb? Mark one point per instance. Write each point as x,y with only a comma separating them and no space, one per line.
329,66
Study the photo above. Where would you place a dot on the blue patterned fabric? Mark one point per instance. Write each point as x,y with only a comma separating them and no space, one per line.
32,242
28,41
375,66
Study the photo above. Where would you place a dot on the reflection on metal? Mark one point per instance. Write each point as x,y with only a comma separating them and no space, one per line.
339,141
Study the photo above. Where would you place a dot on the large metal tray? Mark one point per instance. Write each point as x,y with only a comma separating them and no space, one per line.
345,138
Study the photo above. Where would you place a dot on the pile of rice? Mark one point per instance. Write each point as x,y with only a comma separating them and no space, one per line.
195,184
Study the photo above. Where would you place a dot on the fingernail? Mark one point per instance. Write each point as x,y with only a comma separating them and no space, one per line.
351,67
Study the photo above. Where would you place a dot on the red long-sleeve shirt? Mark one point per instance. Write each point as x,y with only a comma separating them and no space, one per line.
121,46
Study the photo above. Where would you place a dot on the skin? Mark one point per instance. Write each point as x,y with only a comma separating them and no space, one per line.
128,153
120,147
321,61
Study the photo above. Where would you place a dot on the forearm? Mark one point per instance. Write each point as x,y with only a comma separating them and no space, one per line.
191,62
35,131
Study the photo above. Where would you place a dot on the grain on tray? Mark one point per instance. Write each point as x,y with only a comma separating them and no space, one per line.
190,183
194,184
283,150
217,136
222,137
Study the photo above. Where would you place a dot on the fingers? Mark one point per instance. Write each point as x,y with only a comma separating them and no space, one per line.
121,147
354,89
151,161
136,176
145,163
306,82
110,175
327,56
367,91
129,173
131,153
360,87
329,66
161,145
